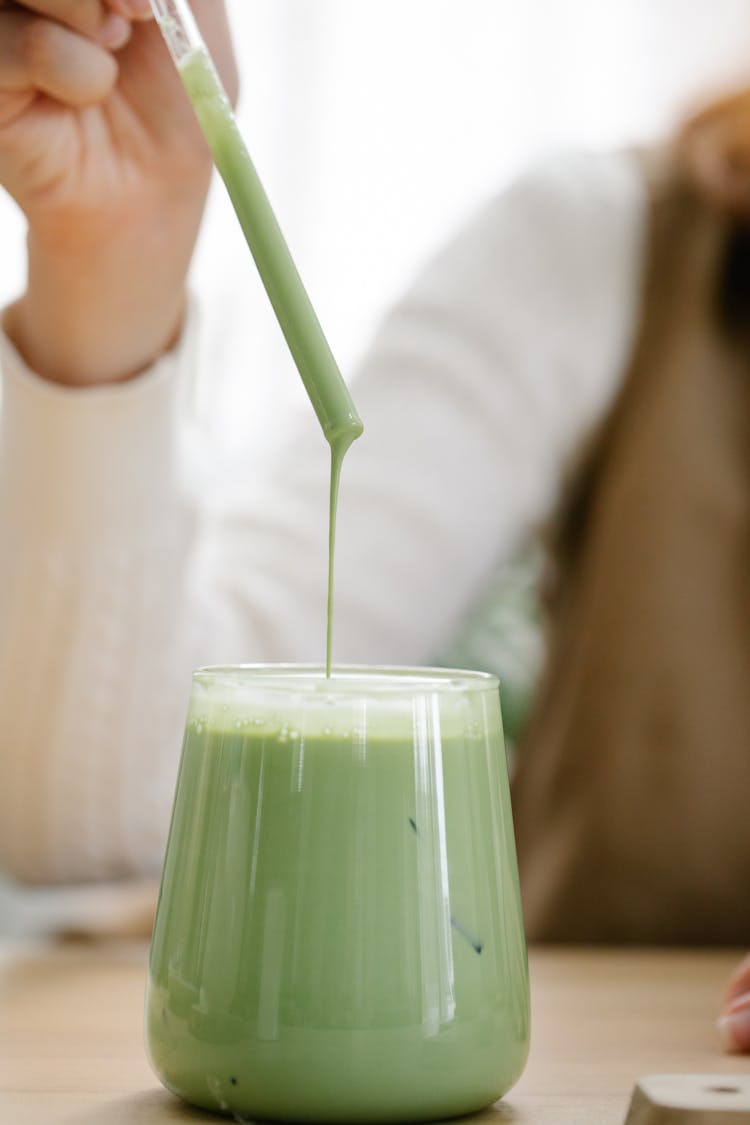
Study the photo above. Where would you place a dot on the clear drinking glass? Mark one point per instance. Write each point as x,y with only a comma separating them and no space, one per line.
339,933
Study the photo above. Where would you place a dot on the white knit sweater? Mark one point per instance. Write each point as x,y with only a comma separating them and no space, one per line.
129,557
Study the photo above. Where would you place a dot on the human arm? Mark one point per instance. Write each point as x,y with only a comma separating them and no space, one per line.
100,149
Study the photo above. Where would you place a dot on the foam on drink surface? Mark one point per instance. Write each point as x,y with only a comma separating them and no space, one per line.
351,704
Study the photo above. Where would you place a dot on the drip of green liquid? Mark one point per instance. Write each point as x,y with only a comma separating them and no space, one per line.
312,355
337,456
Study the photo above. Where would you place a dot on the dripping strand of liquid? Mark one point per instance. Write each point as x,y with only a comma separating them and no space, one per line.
338,449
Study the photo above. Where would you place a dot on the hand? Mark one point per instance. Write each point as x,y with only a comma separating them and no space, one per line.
100,148
714,150
734,1021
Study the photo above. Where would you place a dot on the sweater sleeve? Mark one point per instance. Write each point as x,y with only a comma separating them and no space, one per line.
130,556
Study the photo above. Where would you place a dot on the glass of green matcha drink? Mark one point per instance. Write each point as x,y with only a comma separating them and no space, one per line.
339,934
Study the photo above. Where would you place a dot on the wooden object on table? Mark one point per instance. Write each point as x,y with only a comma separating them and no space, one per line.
692,1099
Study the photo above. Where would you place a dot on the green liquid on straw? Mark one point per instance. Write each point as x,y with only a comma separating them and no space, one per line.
310,350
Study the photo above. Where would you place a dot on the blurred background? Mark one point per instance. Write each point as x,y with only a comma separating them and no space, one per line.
377,125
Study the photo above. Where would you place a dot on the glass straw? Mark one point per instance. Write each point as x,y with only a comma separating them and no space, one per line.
301,328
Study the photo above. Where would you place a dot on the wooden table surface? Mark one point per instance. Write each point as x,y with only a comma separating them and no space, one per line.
71,1042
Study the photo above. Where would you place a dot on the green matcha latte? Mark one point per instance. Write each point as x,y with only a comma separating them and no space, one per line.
339,933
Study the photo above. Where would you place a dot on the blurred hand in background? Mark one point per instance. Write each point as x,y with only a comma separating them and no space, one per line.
734,1021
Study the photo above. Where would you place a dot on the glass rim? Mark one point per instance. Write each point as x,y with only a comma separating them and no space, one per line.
348,679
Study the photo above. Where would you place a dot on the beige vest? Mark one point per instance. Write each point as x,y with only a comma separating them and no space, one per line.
632,800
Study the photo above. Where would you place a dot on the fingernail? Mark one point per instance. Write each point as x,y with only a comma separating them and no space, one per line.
138,9
133,9
734,1025
114,32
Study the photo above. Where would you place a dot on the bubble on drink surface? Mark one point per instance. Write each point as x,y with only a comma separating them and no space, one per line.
199,728
294,735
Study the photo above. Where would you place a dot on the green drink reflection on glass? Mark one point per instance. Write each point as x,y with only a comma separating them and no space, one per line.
339,933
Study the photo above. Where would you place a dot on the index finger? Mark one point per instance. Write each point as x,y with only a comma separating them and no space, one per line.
38,54
88,17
